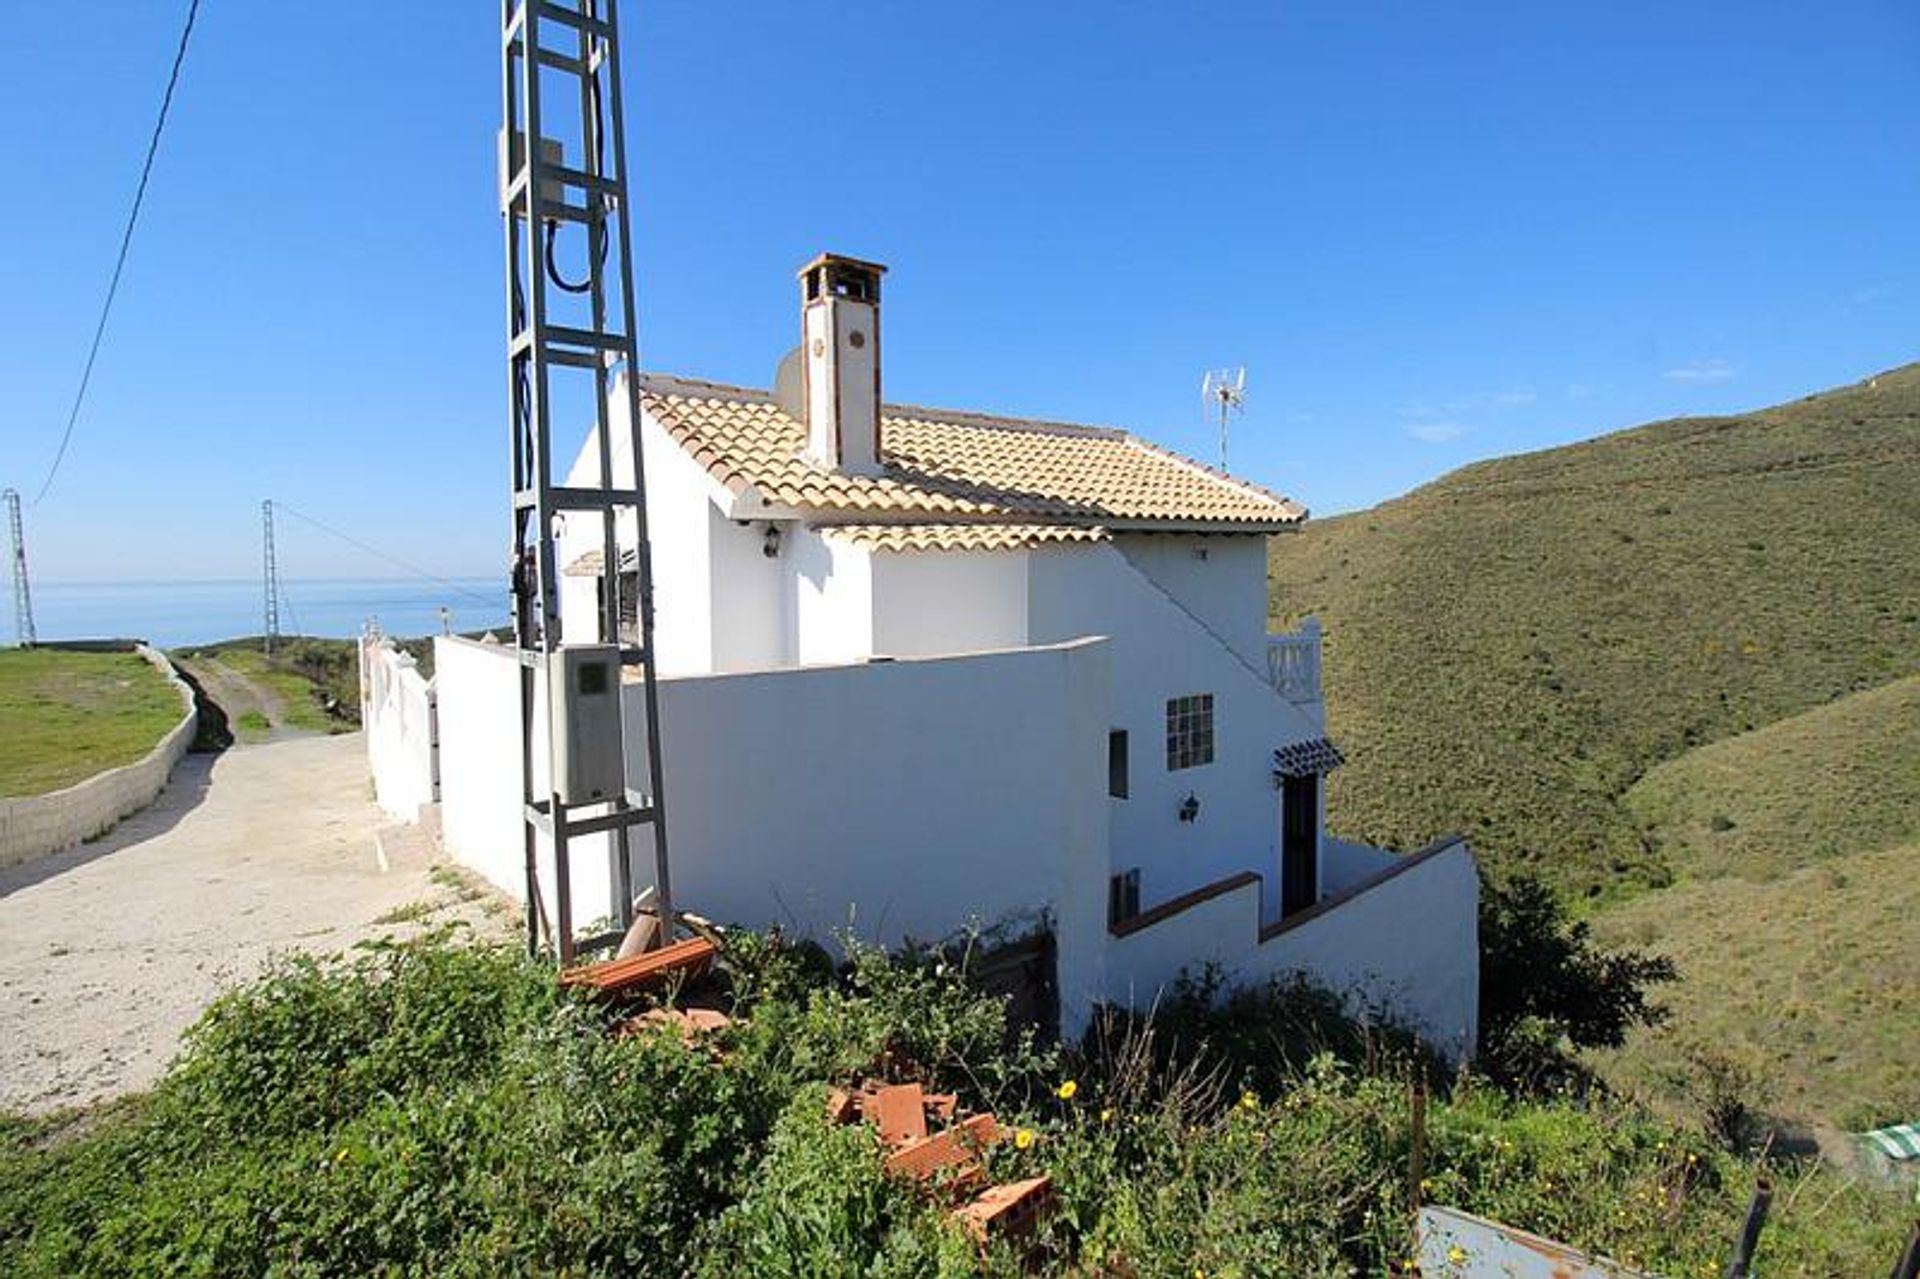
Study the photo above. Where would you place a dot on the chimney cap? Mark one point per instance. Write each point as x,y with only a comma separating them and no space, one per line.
841,259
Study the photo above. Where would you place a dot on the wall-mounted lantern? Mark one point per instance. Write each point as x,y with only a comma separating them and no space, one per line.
1190,807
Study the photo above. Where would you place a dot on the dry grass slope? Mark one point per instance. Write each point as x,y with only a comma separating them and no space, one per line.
1797,929
66,716
1810,983
1513,646
1842,778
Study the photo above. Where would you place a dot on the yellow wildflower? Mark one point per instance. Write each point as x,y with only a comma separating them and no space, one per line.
1456,1255
1106,1115
1248,1101
1023,1138
1065,1091
342,1155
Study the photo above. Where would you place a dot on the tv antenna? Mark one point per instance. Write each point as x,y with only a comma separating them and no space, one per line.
22,597
1225,391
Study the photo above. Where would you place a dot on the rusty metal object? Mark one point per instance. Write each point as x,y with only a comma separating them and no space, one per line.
1458,1245
1742,1264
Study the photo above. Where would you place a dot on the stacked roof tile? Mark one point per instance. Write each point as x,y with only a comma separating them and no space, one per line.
943,468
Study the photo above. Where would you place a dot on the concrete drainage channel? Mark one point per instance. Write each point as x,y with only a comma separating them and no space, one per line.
928,1141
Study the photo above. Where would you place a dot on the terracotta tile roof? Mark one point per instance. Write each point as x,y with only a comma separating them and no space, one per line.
952,467
961,537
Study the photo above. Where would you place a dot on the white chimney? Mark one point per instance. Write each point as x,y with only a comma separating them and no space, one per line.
840,362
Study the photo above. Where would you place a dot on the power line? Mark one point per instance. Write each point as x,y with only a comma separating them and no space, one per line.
126,242
351,540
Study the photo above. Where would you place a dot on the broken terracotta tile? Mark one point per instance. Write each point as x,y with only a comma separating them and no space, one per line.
1007,1210
640,971
955,1146
900,1113
841,1106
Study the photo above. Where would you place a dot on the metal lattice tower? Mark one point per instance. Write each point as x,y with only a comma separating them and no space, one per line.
22,596
272,576
564,170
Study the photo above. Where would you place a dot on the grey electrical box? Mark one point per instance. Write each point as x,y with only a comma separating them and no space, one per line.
583,699
551,152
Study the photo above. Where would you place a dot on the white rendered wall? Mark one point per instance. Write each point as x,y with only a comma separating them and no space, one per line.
397,714
929,602
1220,578
1161,652
832,584
478,695
1405,950
900,797
904,798
751,631
680,509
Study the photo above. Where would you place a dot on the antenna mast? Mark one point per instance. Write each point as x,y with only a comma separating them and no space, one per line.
1225,391
564,173
272,579
22,597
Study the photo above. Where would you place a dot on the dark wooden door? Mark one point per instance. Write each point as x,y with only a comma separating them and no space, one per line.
1299,823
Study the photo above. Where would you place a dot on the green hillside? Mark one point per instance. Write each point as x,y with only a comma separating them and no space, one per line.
1808,985
1840,779
1793,927
1513,646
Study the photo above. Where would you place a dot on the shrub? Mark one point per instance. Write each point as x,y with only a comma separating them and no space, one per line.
1545,988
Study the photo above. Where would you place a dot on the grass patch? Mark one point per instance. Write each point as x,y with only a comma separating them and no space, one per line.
1839,779
71,715
1807,986
254,722
406,913
317,680
430,1109
1511,648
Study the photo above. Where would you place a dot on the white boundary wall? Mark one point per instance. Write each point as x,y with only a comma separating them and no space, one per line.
901,798
35,825
399,714
1401,945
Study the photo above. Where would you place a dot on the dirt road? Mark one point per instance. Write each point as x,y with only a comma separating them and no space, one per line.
110,950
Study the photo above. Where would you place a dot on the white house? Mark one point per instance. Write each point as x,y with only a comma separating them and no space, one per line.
921,668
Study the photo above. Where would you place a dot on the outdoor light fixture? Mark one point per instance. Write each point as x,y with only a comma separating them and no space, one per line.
1190,807
770,541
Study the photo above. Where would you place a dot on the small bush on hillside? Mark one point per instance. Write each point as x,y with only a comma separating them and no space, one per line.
1546,988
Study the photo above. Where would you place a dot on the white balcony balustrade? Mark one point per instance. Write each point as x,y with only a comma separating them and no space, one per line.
1293,664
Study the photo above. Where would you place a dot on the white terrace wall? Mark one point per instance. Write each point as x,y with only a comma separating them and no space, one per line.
35,825
1402,945
398,713
902,798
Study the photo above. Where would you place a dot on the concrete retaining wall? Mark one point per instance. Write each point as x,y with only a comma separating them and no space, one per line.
36,825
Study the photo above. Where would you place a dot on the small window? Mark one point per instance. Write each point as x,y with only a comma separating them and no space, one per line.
1123,897
592,681
1117,763
1189,731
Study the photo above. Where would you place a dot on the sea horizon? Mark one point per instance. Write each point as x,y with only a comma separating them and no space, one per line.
171,612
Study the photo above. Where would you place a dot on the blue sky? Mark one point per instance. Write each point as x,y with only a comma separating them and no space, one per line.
1433,233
